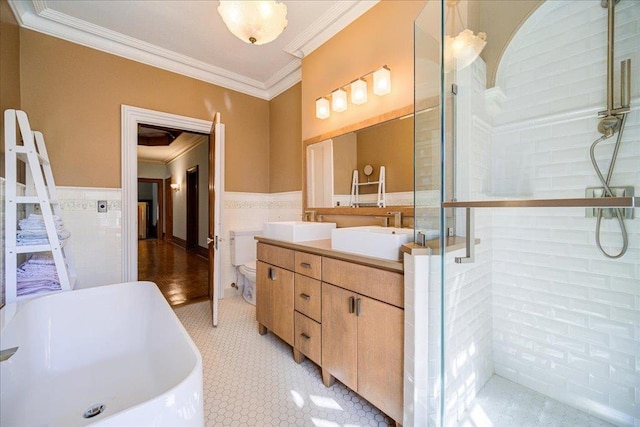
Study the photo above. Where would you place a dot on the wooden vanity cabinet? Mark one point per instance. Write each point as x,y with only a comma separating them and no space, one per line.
275,291
363,335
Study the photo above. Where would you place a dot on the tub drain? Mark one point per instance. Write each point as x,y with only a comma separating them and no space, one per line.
93,410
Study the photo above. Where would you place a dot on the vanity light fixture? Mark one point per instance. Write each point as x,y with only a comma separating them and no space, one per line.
175,187
382,81
323,109
339,100
255,22
359,92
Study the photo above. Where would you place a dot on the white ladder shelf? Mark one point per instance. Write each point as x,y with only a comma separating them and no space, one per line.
381,201
40,192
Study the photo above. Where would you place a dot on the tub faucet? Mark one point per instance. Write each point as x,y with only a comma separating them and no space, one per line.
397,219
6,354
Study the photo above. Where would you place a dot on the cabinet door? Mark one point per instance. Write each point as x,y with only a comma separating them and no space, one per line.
339,335
264,313
282,291
380,355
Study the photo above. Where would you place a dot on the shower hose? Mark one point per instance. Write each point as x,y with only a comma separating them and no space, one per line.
608,193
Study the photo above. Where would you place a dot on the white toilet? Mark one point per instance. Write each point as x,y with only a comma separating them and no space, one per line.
243,257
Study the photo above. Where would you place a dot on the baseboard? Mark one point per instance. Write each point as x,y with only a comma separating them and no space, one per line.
203,252
179,242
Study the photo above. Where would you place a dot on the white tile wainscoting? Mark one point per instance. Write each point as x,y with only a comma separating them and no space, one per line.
96,238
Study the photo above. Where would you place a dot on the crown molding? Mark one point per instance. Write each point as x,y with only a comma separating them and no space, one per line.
45,20
328,25
36,15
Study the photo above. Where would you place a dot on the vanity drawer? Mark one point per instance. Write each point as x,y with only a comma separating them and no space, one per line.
275,255
309,264
308,337
308,297
383,285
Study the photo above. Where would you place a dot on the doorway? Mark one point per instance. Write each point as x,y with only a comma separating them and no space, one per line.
150,208
192,208
131,117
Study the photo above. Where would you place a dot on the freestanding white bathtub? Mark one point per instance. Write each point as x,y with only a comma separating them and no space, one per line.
120,346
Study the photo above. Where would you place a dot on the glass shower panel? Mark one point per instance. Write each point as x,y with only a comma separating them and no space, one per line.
541,323
429,168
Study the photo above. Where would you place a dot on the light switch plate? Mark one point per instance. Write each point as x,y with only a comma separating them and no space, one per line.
102,205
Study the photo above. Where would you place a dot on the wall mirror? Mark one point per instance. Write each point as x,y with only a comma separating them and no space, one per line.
369,165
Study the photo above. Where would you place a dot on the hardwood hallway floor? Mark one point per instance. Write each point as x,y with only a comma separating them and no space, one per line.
181,275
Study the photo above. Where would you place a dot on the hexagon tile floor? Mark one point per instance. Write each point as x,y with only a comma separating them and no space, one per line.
252,379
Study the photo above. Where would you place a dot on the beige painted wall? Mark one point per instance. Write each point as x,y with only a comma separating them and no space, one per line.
285,141
74,95
390,146
9,68
383,35
500,23
345,161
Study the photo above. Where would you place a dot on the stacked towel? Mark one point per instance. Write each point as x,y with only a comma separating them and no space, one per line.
34,232
38,274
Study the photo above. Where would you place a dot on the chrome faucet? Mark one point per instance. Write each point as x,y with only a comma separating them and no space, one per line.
309,216
397,218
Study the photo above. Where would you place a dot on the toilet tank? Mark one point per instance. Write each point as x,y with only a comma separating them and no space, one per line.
243,245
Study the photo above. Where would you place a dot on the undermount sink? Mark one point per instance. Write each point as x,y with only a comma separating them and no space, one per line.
379,242
298,231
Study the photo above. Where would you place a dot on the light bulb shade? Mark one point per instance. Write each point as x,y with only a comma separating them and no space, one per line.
382,81
339,100
255,22
175,187
359,92
323,109
460,51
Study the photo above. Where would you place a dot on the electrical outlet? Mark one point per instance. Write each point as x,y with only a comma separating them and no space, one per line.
450,232
102,205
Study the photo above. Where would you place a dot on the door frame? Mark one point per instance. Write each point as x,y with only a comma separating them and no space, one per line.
131,117
160,197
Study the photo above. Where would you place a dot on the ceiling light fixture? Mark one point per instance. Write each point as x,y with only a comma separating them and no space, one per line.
462,49
359,94
255,22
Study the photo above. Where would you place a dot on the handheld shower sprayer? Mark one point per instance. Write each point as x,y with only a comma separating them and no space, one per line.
612,121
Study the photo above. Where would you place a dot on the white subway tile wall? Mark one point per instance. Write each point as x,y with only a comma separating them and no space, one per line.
566,320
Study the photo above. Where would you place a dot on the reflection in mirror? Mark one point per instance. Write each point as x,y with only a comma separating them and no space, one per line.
388,145
320,174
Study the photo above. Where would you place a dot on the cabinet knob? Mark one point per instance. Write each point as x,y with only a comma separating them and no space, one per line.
272,273
352,304
305,297
305,265
358,307
305,336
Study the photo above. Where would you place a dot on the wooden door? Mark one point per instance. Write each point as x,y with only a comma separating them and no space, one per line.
380,355
263,298
192,207
282,290
339,335
168,210
216,188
